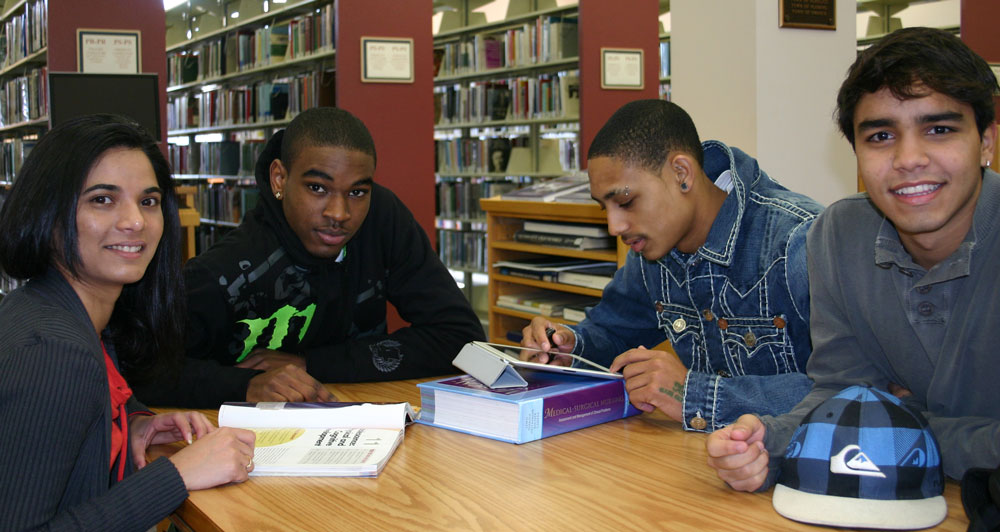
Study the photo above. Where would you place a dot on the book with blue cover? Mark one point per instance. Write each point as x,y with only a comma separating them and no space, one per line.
551,404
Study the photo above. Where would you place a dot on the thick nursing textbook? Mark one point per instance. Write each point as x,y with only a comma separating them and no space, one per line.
320,439
552,403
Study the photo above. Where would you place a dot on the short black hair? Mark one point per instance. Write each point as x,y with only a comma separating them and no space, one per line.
909,59
146,324
325,126
644,132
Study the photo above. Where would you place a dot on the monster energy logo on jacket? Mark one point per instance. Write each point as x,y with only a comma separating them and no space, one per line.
281,320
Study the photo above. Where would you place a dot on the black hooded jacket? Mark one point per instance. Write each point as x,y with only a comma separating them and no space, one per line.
259,287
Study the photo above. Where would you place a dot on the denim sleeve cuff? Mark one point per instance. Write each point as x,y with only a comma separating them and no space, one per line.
701,397
577,343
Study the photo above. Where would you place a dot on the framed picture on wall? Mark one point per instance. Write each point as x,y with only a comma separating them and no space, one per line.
386,60
108,51
621,68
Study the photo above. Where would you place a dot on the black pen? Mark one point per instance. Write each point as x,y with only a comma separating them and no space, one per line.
549,333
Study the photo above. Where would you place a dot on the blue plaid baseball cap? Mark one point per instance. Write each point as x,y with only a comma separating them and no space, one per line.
862,459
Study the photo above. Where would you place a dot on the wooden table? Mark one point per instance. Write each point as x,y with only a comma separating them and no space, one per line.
643,473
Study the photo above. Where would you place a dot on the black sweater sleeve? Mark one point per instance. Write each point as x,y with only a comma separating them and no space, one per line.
425,295
203,382
52,452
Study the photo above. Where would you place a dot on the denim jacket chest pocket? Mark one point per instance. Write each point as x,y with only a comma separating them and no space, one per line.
683,328
756,345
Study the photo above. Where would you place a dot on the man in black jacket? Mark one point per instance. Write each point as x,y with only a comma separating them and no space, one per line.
297,294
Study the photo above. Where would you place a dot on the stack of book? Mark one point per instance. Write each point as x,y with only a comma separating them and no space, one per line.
570,235
578,272
549,190
543,303
551,404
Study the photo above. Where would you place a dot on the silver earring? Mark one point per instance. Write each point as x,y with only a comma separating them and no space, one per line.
277,195
988,164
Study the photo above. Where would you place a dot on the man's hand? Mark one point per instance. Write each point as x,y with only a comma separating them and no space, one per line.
545,335
267,359
654,379
737,453
164,428
899,391
287,383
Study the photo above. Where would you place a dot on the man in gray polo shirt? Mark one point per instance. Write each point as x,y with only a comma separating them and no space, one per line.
904,287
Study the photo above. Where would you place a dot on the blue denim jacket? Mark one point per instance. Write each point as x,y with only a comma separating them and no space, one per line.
736,311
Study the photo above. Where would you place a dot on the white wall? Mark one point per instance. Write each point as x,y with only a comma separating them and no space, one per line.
770,91
713,68
800,72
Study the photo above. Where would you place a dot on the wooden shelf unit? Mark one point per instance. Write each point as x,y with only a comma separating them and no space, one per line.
506,217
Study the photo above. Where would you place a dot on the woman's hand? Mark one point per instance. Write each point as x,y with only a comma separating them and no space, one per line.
221,457
165,428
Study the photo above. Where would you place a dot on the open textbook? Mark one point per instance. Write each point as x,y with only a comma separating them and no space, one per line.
320,439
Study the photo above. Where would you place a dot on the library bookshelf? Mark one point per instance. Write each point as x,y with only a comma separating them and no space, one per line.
506,217
234,78
40,37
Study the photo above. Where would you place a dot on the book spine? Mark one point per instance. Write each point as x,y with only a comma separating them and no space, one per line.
586,281
547,239
583,408
561,229
538,276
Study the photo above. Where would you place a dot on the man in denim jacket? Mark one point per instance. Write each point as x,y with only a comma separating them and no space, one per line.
717,268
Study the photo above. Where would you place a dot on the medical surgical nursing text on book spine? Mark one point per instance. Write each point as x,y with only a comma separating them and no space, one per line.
583,408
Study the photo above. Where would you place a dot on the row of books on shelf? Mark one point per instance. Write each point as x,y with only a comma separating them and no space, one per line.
248,49
664,59
510,156
548,303
555,95
665,91
207,235
13,151
547,38
223,158
462,249
572,188
459,198
263,101
24,98
24,33
225,202
561,234
576,272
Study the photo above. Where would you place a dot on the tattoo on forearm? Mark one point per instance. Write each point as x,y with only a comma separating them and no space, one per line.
676,394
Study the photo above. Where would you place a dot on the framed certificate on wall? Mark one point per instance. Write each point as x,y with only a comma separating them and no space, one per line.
621,68
108,51
386,60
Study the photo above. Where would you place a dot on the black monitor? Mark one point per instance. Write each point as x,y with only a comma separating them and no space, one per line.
73,94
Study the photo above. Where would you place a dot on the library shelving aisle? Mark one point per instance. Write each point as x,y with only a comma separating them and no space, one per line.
554,105
234,77
507,107
665,66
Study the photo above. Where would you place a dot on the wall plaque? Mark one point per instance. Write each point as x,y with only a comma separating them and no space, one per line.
815,14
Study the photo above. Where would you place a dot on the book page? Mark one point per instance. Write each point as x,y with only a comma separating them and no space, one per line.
333,452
